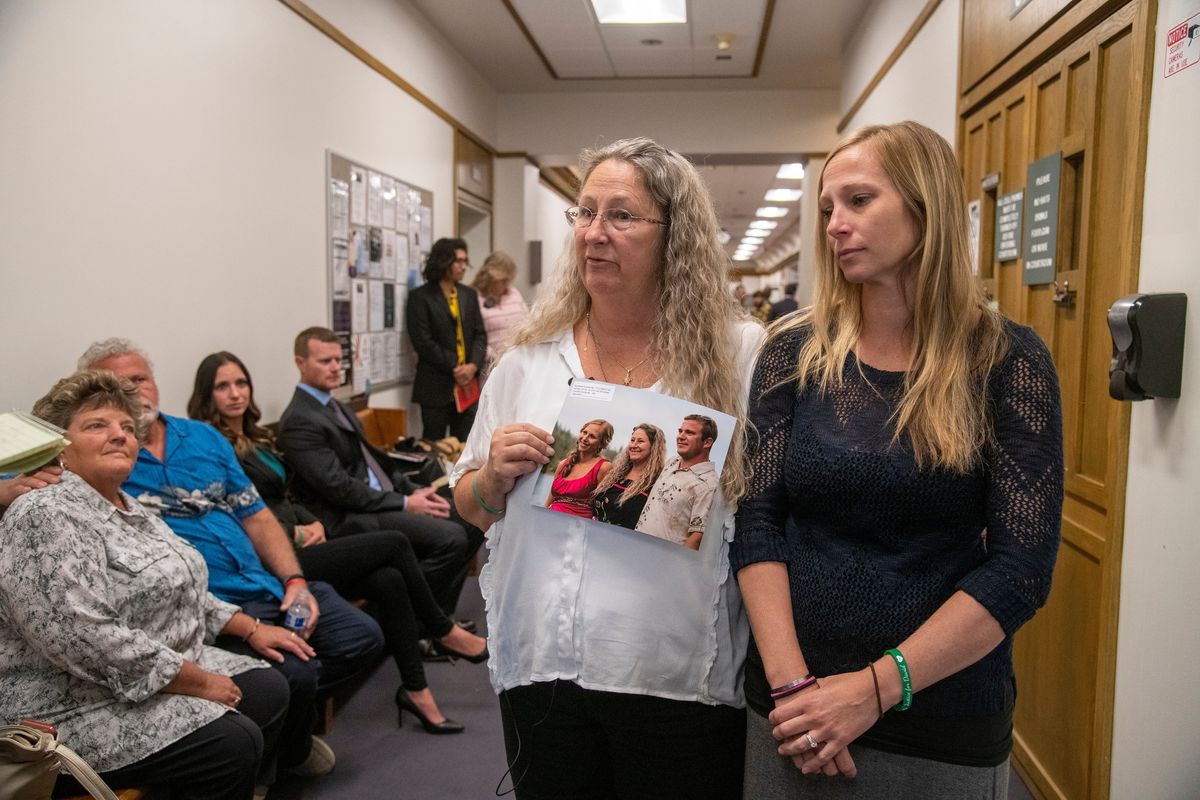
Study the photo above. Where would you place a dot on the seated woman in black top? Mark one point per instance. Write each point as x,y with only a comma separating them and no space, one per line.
902,521
621,496
379,566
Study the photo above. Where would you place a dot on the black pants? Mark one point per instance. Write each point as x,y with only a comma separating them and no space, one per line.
218,761
437,420
443,547
565,741
381,567
347,642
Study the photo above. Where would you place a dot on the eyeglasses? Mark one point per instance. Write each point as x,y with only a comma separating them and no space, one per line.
617,218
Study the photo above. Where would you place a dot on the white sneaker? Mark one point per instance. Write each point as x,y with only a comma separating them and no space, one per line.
320,760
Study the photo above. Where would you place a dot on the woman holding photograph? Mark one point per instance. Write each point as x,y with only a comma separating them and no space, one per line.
620,497
617,658
578,475
903,519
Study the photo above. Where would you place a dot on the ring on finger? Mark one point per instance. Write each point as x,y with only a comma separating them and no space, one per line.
813,744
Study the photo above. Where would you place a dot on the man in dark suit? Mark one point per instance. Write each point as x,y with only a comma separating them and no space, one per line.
785,306
446,328
352,486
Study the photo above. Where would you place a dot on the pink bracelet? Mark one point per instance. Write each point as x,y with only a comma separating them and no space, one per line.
791,688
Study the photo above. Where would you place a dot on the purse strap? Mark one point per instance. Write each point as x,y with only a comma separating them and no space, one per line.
35,744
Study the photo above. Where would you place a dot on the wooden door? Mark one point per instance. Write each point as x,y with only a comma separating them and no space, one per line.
1088,99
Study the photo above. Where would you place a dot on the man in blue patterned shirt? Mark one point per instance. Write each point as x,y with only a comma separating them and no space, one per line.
187,473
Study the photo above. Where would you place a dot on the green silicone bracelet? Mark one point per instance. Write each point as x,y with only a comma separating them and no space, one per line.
495,512
905,680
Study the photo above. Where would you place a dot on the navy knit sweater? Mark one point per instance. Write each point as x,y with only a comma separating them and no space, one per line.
874,545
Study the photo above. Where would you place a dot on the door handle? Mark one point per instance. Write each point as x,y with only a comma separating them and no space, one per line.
1064,296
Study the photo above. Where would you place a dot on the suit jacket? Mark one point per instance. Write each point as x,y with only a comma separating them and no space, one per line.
330,471
431,328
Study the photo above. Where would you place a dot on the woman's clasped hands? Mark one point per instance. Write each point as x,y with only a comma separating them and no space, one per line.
831,715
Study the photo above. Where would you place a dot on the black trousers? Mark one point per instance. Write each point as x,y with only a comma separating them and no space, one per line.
566,741
380,566
218,761
437,420
443,547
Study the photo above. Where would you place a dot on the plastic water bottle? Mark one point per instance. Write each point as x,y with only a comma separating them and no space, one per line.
297,614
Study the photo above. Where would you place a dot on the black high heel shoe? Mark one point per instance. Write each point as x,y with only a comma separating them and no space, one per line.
452,654
405,703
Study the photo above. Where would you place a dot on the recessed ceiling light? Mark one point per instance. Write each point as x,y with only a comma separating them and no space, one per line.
782,195
741,256
754,233
640,12
793,172
764,224
771,211
748,242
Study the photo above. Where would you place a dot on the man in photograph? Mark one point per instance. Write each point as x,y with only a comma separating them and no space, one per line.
677,508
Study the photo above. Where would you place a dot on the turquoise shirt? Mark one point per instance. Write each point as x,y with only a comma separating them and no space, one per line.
203,494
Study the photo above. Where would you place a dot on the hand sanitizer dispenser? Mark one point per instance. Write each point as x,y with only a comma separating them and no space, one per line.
1147,336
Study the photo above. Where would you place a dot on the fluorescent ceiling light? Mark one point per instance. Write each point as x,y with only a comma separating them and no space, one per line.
771,211
782,195
751,243
755,234
640,12
790,172
764,224
741,256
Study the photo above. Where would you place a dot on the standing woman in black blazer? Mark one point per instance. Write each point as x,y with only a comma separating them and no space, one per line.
447,332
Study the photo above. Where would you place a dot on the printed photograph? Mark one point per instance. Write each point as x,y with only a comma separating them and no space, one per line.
636,459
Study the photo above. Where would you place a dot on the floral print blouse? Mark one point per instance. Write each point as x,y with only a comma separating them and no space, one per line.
99,608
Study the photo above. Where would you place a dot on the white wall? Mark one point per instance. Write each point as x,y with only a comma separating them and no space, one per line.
402,38
690,122
922,85
1156,723
162,178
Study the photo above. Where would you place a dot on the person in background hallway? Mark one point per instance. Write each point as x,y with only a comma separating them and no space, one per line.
761,308
621,496
107,625
501,305
443,320
577,476
785,306
617,658
743,299
378,566
903,518
188,474
352,487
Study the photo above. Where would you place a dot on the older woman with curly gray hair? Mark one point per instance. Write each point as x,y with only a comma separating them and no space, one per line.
616,656
106,623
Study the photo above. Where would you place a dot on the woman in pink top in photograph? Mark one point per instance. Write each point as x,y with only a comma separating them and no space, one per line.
502,306
578,475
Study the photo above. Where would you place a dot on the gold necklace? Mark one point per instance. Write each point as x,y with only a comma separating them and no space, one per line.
599,351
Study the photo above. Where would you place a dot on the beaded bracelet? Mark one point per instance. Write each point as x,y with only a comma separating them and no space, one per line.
905,680
789,689
495,512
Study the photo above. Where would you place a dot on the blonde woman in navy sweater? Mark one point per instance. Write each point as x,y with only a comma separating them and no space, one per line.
903,516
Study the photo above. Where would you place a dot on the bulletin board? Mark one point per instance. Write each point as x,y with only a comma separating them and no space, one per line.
379,232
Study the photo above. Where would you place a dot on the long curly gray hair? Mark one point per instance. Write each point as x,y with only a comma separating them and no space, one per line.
694,315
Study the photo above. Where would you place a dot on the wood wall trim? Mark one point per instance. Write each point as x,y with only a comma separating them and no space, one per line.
1054,37
887,65
529,38
333,32
556,189
530,160
762,38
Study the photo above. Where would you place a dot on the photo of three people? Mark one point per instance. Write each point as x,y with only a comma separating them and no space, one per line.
636,459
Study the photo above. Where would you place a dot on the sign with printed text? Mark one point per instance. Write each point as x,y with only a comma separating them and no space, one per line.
1008,226
1041,215
1183,46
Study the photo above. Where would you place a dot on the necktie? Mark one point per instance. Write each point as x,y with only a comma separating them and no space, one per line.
385,483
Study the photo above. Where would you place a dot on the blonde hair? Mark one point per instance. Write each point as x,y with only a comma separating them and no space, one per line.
87,390
575,456
499,266
693,314
623,463
956,337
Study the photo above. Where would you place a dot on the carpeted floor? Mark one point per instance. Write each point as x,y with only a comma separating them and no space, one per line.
378,760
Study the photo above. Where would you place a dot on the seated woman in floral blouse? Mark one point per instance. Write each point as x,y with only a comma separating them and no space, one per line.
106,622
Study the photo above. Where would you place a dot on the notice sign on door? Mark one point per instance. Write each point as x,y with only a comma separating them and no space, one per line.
1041,215
1008,226
1183,46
